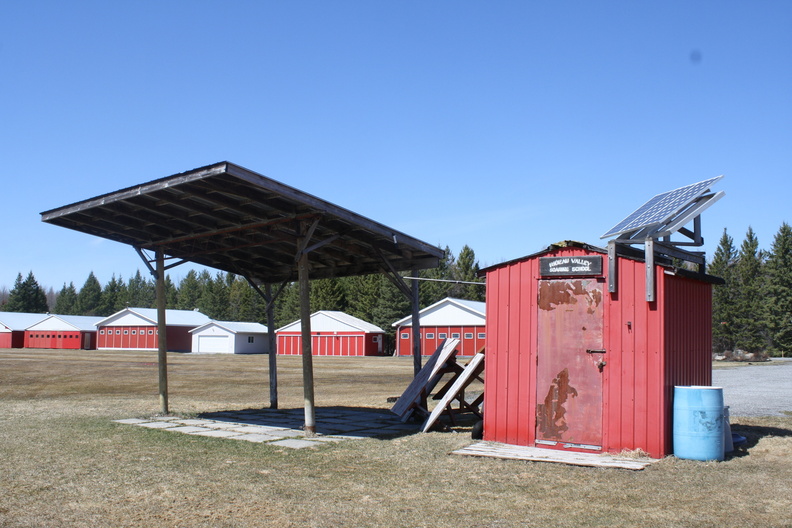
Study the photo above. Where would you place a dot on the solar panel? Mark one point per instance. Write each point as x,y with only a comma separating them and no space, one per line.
661,208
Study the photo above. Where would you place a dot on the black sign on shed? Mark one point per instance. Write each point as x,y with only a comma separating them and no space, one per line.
570,266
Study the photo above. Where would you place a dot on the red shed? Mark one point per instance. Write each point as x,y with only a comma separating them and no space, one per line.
63,331
136,329
333,334
572,366
449,318
13,326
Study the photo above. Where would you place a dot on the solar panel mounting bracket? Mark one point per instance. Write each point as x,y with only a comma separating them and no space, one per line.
652,225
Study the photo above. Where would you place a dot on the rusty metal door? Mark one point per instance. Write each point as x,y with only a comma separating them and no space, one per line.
570,361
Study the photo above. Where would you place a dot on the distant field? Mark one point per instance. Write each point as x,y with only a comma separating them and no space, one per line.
64,462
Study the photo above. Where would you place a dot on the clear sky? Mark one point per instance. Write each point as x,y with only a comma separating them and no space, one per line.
506,126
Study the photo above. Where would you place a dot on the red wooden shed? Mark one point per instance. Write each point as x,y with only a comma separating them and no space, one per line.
333,333
63,331
572,366
136,329
449,318
13,326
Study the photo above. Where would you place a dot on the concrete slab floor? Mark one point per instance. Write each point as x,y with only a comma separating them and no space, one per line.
282,428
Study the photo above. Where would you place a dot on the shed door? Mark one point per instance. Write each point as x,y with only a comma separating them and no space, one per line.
569,374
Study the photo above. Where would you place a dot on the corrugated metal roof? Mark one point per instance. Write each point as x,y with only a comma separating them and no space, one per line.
449,312
84,323
172,317
17,321
333,321
232,219
235,327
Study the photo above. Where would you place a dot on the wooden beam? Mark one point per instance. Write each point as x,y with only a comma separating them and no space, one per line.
416,325
303,277
162,329
273,345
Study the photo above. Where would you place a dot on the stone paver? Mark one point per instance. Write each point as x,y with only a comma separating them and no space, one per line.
282,428
295,443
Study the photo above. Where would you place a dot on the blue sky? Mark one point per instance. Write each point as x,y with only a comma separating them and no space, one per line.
506,126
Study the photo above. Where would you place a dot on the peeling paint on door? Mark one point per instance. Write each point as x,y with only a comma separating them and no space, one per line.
550,415
569,354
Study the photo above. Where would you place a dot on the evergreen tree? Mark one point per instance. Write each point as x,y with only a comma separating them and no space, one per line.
214,299
391,306
327,294
750,330
362,294
287,306
141,292
89,297
171,293
114,297
466,270
779,291
435,289
66,303
244,303
189,293
723,296
27,296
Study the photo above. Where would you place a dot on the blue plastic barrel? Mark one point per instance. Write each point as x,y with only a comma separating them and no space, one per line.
698,423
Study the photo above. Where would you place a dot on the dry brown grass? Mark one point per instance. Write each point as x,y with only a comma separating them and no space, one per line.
65,463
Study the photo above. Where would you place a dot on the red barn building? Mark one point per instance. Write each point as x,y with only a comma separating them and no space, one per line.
13,326
450,318
572,366
136,329
63,331
333,334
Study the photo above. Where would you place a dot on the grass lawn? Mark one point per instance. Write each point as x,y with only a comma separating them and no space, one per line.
64,462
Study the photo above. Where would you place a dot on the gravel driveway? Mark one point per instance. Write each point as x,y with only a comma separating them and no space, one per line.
756,390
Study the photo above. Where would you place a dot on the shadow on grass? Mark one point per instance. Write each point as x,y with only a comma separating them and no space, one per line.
753,434
362,422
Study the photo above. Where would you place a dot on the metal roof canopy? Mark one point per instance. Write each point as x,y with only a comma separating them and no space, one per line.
654,222
229,218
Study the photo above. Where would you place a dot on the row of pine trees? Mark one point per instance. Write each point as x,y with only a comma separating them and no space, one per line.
227,297
752,312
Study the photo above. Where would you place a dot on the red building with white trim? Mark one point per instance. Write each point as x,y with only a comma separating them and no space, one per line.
333,334
136,329
13,326
63,331
449,318
572,366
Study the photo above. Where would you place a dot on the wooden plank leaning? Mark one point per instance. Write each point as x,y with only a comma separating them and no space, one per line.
423,383
471,371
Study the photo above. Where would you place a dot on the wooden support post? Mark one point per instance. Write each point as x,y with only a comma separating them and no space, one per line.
162,330
273,347
416,325
307,352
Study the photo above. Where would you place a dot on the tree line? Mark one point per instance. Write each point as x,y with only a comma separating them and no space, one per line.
226,297
752,312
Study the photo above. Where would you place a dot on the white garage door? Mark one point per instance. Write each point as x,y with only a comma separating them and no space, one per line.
213,344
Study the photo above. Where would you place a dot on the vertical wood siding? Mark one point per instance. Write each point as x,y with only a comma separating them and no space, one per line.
467,347
346,344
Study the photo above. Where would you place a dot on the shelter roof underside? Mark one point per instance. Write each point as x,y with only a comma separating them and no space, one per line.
229,218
